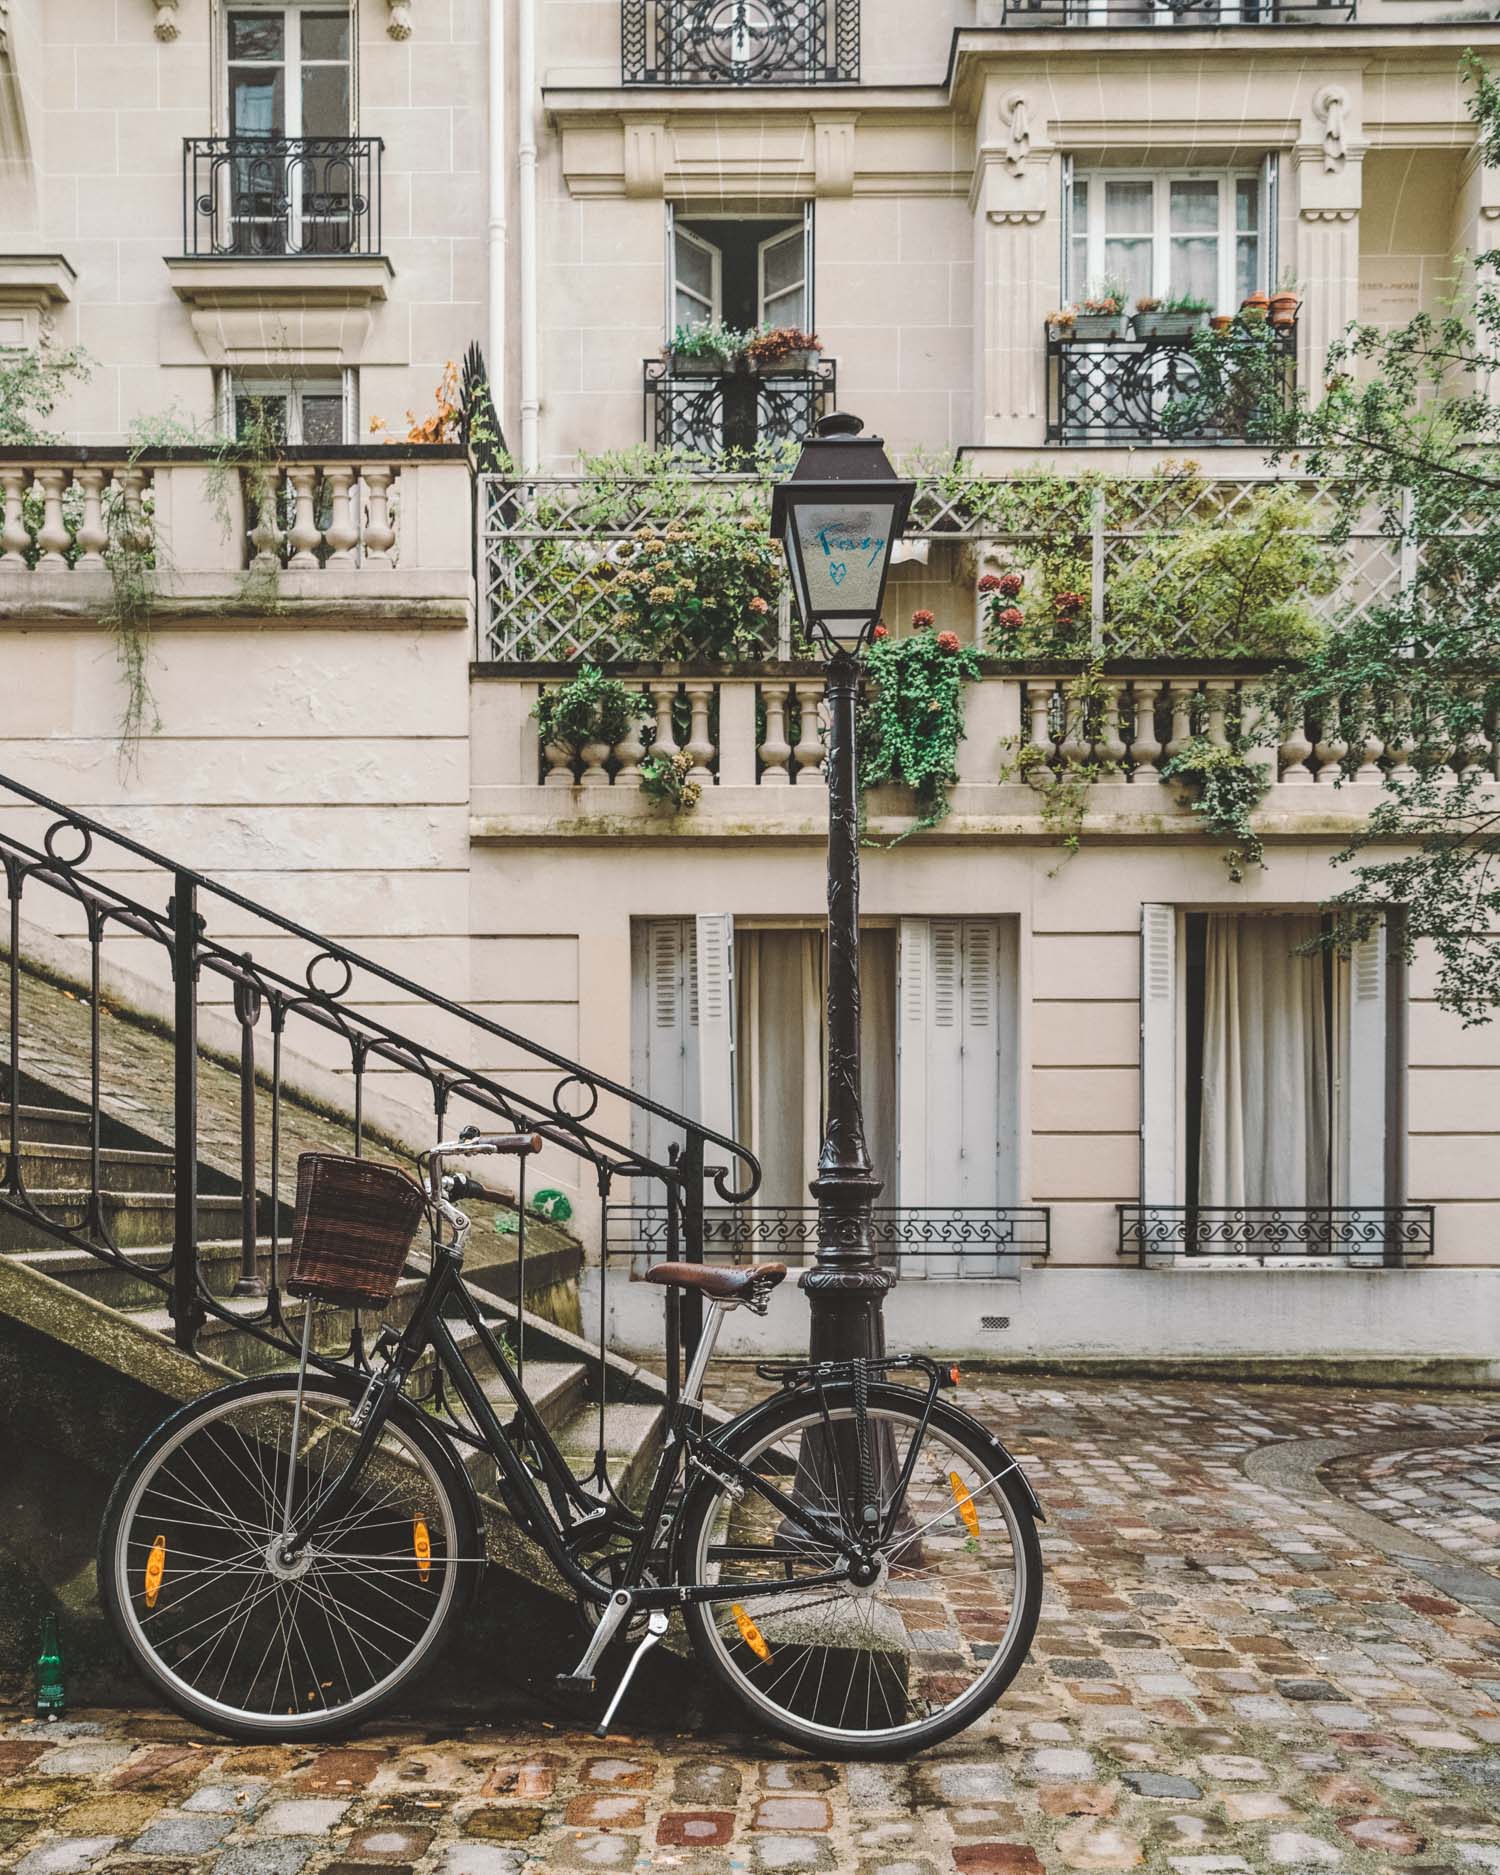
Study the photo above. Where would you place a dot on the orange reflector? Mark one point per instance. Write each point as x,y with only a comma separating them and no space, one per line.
750,1634
953,1374
965,1504
156,1568
421,1543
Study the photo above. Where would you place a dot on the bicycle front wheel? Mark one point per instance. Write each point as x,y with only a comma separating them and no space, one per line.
225,1630
882,1670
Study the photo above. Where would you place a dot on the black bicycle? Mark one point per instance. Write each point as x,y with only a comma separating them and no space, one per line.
855,1558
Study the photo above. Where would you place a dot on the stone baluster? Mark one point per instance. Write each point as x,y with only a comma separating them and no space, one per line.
1332,748
628,752
52,536
1113,722
809,751
1039,709
380,536
93,535
1219,691
1183,696
342,535
594,755
699,744
131,483
559,759
1371,746
13,536
1073,744
1293,752
305,535
1401,742
1145,750
775,752
663,696
265,492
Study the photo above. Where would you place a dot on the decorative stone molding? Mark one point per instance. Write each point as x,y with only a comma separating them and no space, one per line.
166,27
1017,115
1015,217
398,22
1329,106
4,25
833,153
32,288
1329,214
645,156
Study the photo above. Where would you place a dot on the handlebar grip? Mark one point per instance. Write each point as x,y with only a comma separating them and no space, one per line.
513,1142
460,1185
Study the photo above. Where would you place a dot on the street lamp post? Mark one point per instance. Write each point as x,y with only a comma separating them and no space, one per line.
838,518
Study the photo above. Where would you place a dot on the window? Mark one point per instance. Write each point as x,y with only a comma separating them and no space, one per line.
745,270
290,115
316,411
1196,231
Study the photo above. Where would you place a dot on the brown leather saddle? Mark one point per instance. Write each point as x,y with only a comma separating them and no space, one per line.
751,1284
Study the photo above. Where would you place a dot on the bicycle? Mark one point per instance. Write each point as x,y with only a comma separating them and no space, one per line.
855,1558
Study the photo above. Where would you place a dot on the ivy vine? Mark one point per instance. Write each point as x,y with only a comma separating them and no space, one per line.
911,717
1223,789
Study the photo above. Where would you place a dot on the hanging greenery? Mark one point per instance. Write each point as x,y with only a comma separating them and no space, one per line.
590,707
911,717
1223,789
664,780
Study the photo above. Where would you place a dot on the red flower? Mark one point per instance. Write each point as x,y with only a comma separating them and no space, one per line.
947,641
1011,617
879,632
921,619
1069,602
1010,584
990,583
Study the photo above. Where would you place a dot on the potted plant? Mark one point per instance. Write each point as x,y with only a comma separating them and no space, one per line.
1181,316
1101,314
1061,322
1147,316
705,351
1254,308
782,349
1284,302
1220,322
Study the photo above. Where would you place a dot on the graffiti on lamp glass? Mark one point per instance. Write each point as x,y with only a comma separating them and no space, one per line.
836,537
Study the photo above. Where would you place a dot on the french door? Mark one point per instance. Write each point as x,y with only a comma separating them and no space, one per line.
290,116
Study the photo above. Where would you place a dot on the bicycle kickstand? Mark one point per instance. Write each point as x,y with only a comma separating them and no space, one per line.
656,1627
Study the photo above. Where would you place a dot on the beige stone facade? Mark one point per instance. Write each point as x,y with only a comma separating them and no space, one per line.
363,757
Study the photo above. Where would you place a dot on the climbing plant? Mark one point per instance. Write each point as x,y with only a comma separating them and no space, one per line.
911,718
1223,788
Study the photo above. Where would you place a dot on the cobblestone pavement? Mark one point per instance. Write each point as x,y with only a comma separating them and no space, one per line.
1223,1682
1451,1495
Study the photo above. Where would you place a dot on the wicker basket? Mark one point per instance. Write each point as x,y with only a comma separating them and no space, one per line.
356,1222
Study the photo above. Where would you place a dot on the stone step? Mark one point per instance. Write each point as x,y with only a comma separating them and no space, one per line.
52,1165
557,1388
632,1437
137,1220
67,1126
120,1287
245,1351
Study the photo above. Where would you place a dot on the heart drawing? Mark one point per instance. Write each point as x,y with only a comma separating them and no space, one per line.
838,572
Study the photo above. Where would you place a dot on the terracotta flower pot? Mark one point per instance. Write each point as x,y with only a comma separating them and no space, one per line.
1221,322
1283,309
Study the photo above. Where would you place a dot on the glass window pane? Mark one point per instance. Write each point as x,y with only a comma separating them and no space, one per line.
1130,263
325,35
1246,265
325,101
1078,278
1127,206
695,272
1080,207
266,411
255,103
1195,268
322,417
1194,206
256,36
1247,204
783,265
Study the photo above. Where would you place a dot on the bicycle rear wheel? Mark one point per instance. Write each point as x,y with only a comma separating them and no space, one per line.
884,1670
224,1630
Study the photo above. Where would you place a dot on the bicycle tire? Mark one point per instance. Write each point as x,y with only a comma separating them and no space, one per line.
1007,1499
441,1488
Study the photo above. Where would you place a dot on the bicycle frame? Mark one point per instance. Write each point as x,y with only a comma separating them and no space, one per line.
568,1518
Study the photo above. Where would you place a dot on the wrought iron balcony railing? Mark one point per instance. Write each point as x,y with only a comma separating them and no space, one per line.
719,416
267,197
1123,13
936,1241
739,42
1357,1235
1119,391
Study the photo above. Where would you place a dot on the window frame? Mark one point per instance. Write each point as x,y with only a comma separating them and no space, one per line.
343,383
291,68
1094,234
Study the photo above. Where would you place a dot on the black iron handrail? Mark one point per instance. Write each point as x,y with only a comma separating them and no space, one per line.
739,42
563,1114
1126,390
1356,1233
730,412
914,1230
1175,13
272,197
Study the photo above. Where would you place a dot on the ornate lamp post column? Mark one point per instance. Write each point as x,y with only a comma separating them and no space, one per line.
839,517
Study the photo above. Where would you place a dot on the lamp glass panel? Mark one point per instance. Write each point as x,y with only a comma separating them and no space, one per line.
843,547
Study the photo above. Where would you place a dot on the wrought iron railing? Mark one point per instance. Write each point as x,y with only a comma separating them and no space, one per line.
739,42
1168,13
264,197
728,415
1352,1234
311,1013
949,1240
1125,391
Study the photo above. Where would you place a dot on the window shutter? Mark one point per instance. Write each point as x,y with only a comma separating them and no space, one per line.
1159,1076
1365,1071
1068,285
663,1034
810,322
1270,173
911,1061
714,948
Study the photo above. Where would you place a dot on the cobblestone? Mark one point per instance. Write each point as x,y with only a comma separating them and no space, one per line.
1275,1697
1451,1497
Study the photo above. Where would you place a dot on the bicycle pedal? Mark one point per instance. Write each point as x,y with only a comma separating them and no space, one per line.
574,1684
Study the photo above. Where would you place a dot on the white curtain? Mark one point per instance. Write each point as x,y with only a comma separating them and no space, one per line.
1265,1126
779,979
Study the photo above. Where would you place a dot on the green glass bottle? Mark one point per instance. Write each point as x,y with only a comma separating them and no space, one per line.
51,1700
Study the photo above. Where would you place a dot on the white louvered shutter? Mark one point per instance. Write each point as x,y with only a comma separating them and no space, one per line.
663,1035
714,946
1365,1071
1159,1068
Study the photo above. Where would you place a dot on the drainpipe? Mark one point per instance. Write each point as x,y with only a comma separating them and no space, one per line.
526,177
495,345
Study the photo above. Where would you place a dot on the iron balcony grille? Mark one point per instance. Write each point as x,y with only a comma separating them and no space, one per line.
1169,13
265,197
1126,391
955,1240
739,42
1358,1235
722,416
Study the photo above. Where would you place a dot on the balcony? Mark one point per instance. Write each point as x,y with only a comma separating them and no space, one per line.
1235,1236
276,198
1120,392
938,1242
739,42
728,414
1121,14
